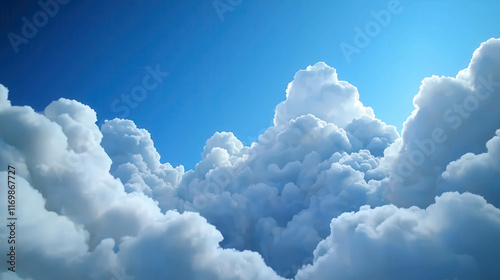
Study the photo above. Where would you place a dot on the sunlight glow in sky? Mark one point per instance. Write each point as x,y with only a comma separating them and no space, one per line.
235,139
228,75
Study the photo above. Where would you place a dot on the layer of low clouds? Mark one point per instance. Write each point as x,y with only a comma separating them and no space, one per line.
329,191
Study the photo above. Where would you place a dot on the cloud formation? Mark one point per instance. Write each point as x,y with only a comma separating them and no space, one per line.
453,116
454,238
328,191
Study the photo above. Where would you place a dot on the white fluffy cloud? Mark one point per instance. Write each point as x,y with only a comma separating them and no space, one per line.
454,238
76,221
318,91
476,173
321,194
453,116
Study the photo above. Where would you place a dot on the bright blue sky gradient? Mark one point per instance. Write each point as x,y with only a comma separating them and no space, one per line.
229,75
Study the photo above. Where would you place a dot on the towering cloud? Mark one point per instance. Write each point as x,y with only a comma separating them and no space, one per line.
453,116
329,191
318,91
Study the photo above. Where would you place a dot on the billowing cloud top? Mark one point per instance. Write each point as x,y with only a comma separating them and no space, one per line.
328,192
317,91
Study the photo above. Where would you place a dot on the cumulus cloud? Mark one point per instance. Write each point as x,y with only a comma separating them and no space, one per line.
76,221
328,191
476,173
318,91
453,116
171,245
454,238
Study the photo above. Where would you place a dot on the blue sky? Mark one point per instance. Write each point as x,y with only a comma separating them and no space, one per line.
228,75
350,182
